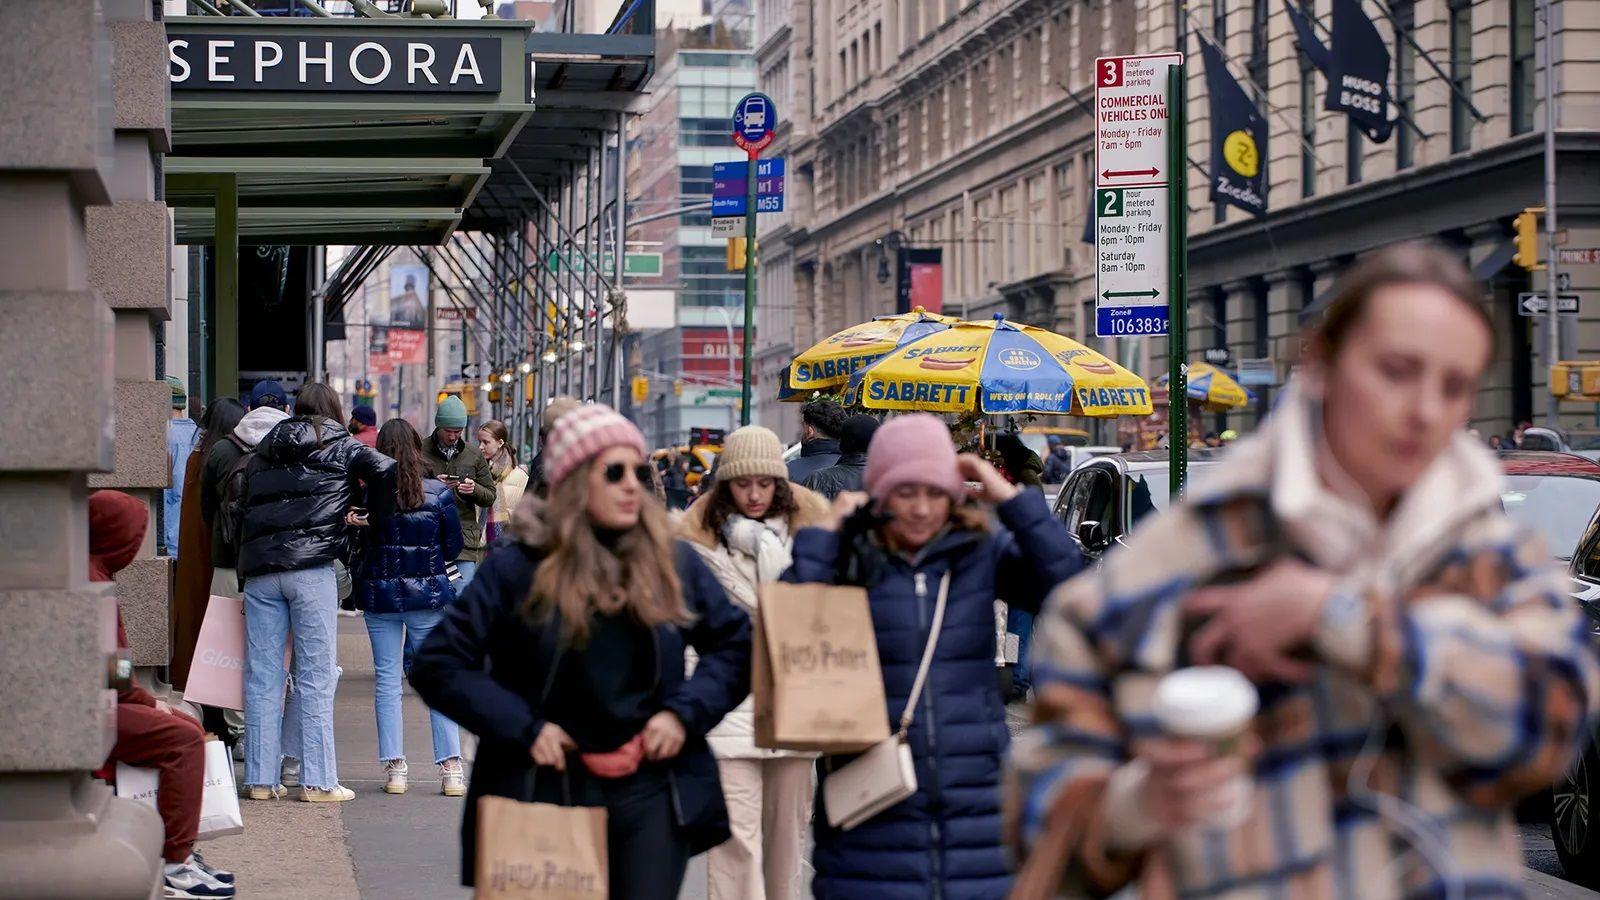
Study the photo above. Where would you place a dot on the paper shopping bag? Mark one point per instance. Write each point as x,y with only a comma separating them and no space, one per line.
540,851
216,678
815,678
219,802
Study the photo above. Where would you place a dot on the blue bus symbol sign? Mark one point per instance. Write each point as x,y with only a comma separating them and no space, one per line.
754,117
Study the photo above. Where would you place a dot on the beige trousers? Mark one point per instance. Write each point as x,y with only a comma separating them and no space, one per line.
769,812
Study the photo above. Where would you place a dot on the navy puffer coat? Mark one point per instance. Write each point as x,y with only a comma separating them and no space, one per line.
943,842
403,566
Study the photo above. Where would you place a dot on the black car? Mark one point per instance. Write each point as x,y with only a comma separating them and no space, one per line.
1103,499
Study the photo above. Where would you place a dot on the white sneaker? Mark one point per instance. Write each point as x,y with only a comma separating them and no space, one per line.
187,881
265,792
452,778
349,613
290,772
395,772
337,794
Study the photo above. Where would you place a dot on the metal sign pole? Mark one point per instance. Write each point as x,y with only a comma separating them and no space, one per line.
1552,278
749,283
1177,289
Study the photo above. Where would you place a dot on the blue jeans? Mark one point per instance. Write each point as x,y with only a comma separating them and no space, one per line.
306,601
467,570
388,631
1020,623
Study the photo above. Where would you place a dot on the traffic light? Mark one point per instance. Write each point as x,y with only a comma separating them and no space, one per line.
737,253
1579,381
1526,226
641,389
677,389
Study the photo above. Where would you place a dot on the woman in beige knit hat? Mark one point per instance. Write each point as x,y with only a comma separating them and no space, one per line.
744,529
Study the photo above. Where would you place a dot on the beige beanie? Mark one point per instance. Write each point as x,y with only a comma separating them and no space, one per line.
752,450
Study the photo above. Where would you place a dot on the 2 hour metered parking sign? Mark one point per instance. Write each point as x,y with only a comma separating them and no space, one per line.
1132,238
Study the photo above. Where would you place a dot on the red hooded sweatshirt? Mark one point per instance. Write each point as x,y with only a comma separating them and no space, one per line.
117,523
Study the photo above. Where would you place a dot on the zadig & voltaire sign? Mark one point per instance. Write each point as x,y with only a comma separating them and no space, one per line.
352,63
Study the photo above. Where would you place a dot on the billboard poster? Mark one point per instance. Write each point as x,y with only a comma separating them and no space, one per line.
408,313
921,281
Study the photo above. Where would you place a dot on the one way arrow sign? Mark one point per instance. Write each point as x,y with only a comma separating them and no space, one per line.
1141,173
1119,295
1537,304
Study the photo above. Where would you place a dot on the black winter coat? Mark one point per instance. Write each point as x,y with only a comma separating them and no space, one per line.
846,475
817,453
487,667
403,564
298,487
214,472
944,841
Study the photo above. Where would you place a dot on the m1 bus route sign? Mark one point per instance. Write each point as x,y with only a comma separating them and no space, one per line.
1132,237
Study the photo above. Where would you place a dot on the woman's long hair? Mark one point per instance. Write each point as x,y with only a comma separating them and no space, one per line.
219,420
721,506
401,443
507,457
320,402
580,576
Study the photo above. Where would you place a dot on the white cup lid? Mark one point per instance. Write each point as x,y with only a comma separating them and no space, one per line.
1205,702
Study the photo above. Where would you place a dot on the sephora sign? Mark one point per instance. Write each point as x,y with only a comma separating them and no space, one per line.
349,63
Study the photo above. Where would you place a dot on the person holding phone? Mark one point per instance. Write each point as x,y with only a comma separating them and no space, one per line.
402,589
458,463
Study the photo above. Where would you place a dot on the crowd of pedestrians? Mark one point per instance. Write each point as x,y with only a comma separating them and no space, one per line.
588,618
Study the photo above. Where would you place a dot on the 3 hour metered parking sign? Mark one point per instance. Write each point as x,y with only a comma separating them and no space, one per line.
1132,237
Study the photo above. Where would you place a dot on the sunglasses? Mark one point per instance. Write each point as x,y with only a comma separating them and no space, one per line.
615,471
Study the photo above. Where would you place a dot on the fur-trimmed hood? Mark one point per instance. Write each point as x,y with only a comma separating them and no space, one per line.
812,510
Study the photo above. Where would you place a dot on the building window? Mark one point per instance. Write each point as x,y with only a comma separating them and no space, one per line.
877,34
1256,68
1523,71
866,51
1405,82
1219,31
1460,75
1354,150
1308,128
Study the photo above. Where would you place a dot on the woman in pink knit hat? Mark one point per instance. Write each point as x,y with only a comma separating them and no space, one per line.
565,655
916,535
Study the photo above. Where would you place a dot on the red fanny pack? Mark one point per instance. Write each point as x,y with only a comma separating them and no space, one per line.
618,763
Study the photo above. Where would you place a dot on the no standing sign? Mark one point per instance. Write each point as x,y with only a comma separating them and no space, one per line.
1132,233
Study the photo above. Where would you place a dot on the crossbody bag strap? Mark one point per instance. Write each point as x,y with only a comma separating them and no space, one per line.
927,656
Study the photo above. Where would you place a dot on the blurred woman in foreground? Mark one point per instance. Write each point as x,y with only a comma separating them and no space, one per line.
1419,663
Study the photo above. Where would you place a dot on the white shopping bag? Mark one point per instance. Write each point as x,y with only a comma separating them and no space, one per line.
219,804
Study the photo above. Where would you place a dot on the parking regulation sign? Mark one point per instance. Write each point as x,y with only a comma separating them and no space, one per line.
1132,237
754,118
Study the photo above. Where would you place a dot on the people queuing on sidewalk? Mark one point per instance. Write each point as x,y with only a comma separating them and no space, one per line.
402,589
1420,664
150,734
917,532
191,584
299,484
510,481
182,435
820,424
557,407
457,462
566,656
855,435
743,530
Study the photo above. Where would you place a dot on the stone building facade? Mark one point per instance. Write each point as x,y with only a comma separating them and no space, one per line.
967,126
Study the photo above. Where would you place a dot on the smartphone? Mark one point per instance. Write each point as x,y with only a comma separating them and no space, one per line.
451,480
360,512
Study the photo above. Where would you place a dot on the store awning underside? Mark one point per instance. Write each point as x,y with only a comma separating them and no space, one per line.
582,82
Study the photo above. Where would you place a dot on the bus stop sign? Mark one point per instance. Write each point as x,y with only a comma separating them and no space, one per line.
754,117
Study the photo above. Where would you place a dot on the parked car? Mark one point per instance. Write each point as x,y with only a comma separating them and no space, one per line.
1584,442
1103,499
1558,494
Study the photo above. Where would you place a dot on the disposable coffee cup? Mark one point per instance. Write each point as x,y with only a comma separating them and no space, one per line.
1214,704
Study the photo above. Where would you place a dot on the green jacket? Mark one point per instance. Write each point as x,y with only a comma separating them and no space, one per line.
466,463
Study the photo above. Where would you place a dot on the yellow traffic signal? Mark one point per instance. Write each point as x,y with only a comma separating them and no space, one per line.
677,388
641,388
1575,381
1526,226
737,253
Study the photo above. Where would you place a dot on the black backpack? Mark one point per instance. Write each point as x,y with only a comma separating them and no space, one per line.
230,511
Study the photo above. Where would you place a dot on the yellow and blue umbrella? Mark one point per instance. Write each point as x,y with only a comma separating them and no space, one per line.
831,361
1214,389
1000,367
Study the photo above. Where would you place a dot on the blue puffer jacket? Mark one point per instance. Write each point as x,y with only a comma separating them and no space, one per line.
403,569
944,842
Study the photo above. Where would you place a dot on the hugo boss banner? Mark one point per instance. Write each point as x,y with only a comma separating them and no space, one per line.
1238,138
1358,71
350,63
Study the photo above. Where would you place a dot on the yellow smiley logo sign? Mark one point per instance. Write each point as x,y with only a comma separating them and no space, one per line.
1239,151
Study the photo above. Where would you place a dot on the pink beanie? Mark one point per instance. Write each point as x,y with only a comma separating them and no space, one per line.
913,449
585,433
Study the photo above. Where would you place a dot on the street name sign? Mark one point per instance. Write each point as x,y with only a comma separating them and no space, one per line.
1538,304
1132,232
729,186
1579,256
727,226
